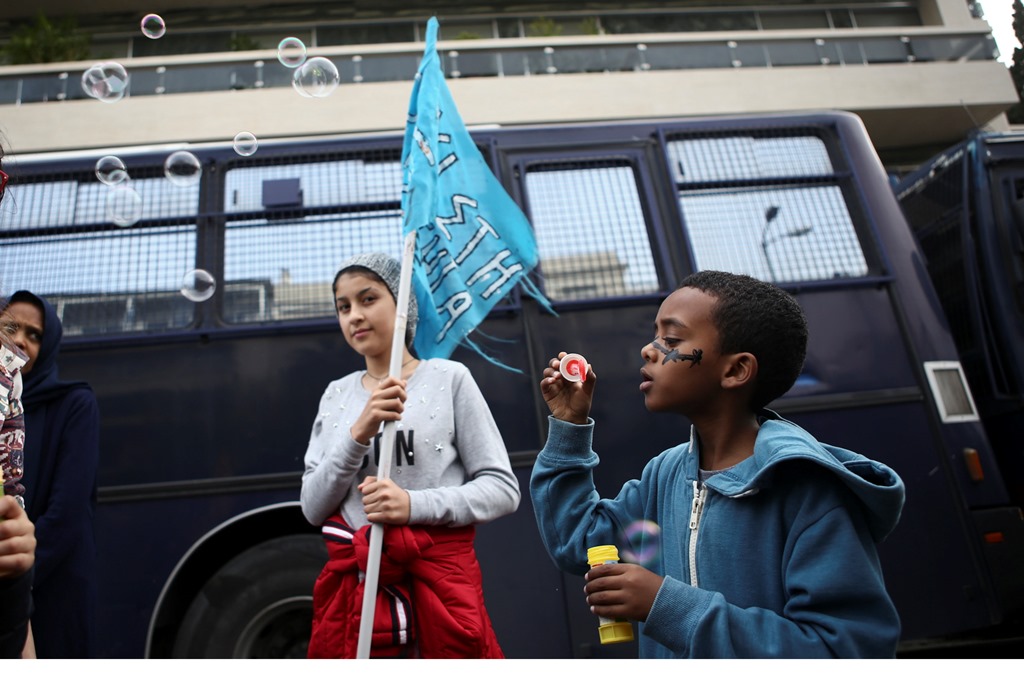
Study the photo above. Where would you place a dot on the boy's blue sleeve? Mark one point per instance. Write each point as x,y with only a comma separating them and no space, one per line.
570,514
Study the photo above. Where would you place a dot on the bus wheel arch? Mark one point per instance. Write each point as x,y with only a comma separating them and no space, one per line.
244,581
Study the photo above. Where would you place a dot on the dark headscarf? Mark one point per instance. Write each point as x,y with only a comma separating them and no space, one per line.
41,384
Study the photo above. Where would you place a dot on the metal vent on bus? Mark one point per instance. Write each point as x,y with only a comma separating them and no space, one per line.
949,388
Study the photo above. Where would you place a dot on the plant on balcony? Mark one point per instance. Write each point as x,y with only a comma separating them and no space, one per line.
543,26
240,42
590,26
47,41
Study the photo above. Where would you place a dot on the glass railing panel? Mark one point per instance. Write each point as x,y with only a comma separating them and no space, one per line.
793,53
381,67
471,61
9,89
689,56
967,48
465,64
747,54
884,50
583,60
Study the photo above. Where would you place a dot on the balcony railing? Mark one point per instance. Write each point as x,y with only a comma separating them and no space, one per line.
503,58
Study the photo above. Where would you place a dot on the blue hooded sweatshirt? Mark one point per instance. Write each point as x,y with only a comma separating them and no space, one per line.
774,557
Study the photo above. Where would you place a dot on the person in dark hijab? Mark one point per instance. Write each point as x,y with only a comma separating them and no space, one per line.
61,459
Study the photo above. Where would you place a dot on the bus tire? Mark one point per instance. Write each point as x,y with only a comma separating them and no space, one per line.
259,604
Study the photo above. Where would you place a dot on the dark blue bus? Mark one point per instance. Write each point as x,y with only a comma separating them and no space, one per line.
966,208
207,396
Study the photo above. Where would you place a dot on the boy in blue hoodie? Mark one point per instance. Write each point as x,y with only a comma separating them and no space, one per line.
767,544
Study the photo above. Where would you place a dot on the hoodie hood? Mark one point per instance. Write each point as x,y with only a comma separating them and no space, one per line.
876,485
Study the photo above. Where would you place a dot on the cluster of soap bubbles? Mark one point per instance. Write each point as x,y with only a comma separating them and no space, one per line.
124,204
108,81
105,81
111,170
316,77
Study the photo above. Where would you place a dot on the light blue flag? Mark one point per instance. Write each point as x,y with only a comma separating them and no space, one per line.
473,243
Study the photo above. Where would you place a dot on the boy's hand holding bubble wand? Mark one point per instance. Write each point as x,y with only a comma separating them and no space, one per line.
568,387
625,591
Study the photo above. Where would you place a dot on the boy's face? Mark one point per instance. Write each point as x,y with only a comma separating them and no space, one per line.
682,369
366,313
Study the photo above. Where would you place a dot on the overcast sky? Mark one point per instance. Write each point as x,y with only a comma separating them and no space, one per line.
999,15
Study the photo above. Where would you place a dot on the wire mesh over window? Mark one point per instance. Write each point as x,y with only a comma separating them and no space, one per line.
934,208
58,239
280,264
591,231
772,207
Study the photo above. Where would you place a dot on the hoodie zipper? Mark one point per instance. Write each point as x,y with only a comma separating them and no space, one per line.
696,507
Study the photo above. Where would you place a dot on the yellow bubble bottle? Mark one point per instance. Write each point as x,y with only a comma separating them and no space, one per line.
610,630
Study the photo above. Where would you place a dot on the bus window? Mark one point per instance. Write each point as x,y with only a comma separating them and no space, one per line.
772,208
591,232
105,279
296,260
279,266
104,282
61,204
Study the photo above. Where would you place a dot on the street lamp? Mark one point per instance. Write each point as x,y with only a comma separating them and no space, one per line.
769,216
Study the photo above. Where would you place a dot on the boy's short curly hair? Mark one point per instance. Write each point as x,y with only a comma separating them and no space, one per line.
761,319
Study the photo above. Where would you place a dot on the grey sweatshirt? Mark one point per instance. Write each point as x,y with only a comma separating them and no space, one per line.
448,455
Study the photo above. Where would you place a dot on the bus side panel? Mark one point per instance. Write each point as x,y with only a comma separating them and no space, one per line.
138,544
929,562
524,592
207,407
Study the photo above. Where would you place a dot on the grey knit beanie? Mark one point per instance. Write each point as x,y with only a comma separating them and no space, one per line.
389,270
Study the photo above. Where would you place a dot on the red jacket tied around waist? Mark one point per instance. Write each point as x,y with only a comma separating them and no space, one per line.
430,600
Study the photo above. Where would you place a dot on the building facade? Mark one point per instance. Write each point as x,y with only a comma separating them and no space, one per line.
920,73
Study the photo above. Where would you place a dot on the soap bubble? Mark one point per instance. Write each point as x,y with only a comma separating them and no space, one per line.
291,52
105,81
153,26
641,542
246,144
316,78
124,205
182,168
111,170
198,285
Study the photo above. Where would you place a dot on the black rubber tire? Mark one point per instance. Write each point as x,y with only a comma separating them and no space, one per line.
258,605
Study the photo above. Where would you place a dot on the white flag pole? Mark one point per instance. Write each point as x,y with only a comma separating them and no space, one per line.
386,450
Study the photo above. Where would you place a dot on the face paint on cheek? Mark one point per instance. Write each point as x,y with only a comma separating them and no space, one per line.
675,356
660,348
